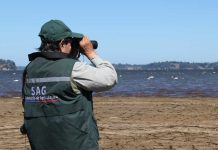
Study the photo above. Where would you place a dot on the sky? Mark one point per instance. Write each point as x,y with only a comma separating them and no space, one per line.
133,32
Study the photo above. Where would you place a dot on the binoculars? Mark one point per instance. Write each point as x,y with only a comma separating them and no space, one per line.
94,44
75,43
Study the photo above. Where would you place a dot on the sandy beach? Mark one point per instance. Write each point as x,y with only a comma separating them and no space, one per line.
134,123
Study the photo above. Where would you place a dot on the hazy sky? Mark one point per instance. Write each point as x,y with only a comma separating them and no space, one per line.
135,32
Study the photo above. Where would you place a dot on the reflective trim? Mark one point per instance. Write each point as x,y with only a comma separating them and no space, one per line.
47,79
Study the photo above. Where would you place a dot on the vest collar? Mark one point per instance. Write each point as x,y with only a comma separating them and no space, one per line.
48,55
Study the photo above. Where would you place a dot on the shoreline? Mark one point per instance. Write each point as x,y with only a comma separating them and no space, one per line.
134,123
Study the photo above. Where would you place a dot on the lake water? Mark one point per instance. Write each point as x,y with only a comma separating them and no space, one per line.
139,83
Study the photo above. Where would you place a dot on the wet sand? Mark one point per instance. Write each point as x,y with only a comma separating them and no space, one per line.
134,123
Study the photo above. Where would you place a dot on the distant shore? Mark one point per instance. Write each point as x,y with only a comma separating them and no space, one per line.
134,123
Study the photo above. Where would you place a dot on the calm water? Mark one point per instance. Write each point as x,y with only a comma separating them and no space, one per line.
139,83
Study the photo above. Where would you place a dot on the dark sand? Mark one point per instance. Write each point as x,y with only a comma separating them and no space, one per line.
134,123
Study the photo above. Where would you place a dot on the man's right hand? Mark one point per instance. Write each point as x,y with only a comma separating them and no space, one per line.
86,48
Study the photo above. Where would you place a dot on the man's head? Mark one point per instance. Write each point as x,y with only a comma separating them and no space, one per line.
56,36
56,30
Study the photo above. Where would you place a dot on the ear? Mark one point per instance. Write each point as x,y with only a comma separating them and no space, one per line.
61,44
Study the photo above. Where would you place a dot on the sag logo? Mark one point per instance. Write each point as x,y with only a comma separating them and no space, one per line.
38,90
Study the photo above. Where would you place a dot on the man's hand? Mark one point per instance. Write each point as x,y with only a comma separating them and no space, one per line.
86,48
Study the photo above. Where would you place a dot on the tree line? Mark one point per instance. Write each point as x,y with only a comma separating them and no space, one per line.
169,65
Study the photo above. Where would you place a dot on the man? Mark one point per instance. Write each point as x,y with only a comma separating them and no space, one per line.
57,90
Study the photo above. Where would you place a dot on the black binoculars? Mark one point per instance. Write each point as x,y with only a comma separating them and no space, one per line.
75,43
94,44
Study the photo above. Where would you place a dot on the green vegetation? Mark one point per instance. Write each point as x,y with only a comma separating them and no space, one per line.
7,65
169,65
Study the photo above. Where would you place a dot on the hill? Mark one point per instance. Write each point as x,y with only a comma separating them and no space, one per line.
169,65
7,65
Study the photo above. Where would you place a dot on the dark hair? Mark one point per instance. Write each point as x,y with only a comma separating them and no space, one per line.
52,46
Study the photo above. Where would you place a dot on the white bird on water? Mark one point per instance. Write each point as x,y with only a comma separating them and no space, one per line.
150,77
176,78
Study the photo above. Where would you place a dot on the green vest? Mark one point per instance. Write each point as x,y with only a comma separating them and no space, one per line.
56,116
